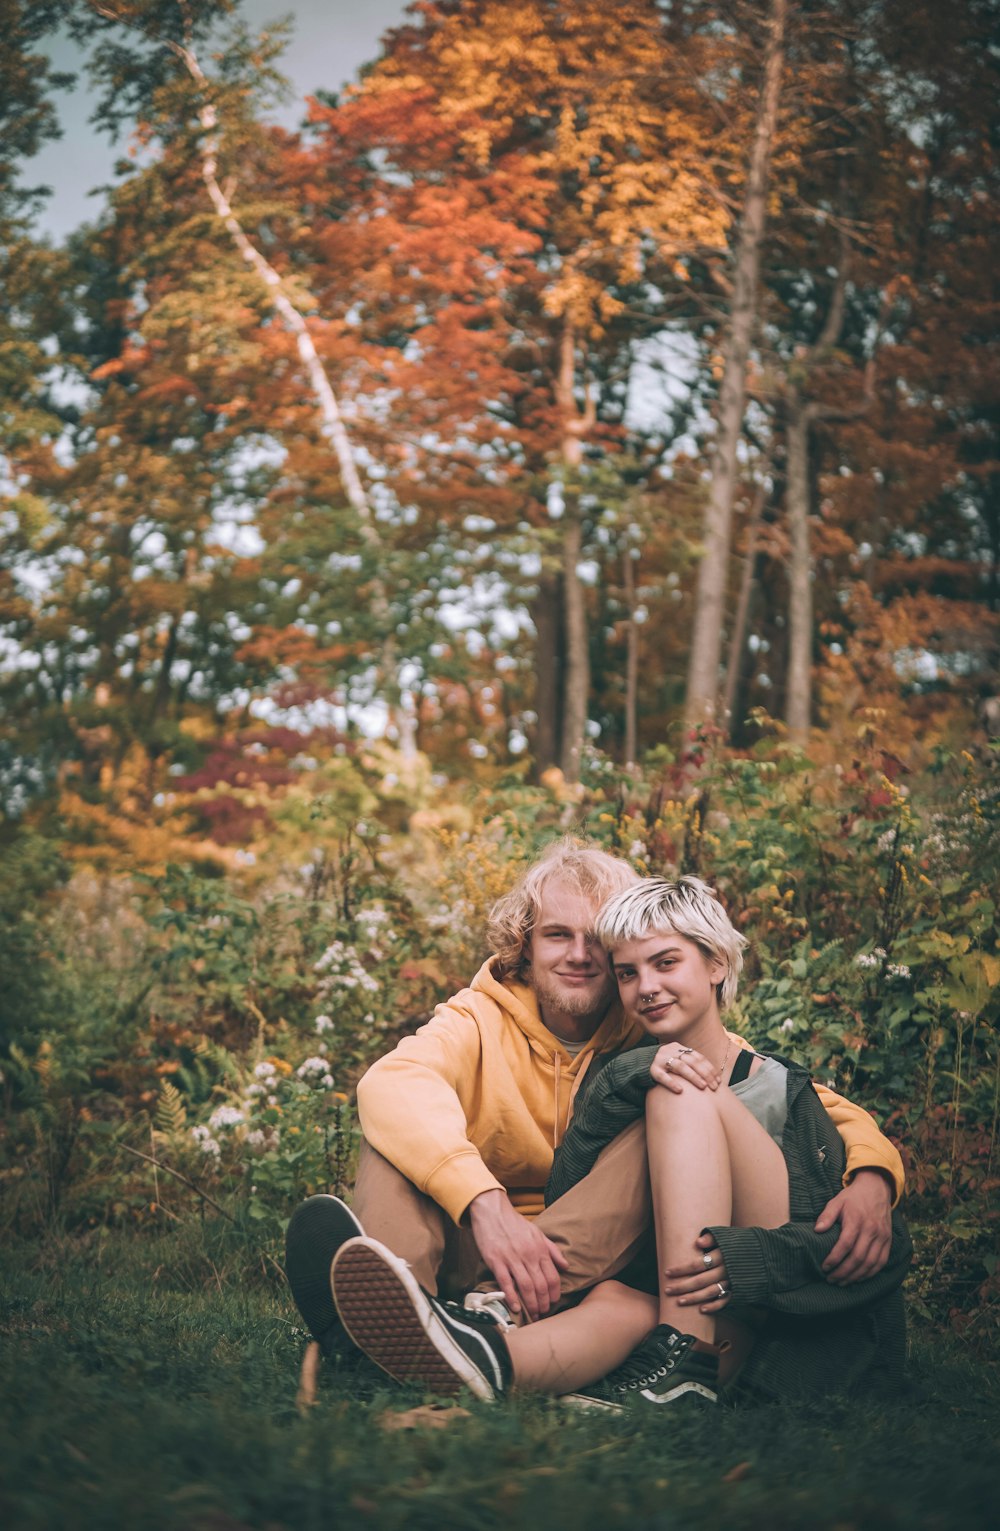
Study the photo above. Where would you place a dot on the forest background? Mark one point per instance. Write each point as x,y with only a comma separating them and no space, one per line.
588,423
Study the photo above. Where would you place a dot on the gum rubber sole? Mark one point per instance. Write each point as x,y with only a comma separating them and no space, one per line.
390,1318
316,1231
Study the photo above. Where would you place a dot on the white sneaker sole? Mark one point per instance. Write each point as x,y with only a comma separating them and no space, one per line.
388,1316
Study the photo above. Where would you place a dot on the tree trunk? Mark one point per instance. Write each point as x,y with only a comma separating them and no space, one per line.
331,420
547,616
576,681
631,661
738,637
706,640
798,689
576,689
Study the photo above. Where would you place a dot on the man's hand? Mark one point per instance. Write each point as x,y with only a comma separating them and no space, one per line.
676,1066
525,1263
864,1212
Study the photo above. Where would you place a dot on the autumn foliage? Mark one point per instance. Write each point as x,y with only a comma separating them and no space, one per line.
359,491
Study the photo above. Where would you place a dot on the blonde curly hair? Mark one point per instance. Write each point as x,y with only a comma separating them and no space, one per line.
585,868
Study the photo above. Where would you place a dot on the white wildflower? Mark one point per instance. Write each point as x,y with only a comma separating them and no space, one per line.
226,1116
335,952
206,1142
323,1023
898,970
636,851
265,1071
866,960
787,1024
256,1139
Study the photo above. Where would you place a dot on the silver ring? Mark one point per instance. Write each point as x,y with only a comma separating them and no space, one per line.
707,1262
723,1290
682,1050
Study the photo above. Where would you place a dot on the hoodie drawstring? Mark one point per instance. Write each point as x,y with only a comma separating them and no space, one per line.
559,1129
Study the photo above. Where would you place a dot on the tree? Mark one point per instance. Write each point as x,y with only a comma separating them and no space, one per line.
713,571
587,180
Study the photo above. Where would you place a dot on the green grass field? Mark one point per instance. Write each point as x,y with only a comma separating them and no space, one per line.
150,1382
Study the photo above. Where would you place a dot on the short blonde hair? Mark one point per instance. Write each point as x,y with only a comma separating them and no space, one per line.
690,908
586,868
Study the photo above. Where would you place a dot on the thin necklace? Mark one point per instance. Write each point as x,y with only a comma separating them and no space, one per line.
718,1077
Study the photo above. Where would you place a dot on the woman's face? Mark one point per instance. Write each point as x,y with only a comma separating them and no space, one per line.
667,984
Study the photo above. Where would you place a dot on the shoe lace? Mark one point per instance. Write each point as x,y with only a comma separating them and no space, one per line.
492,1302
649,1362
474,1316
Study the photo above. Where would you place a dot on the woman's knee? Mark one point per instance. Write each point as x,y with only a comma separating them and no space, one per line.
674,1108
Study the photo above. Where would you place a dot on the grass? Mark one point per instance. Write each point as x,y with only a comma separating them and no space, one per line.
150,1382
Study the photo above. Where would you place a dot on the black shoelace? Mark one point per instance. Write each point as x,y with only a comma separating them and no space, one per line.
646,1364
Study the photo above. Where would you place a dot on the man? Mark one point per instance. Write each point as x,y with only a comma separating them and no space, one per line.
461,1121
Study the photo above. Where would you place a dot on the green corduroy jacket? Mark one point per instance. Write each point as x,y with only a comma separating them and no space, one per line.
816,1338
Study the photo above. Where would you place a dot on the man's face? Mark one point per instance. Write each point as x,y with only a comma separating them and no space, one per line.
569,970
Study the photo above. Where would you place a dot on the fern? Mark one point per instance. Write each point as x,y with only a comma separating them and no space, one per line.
830,949
214,1052
171,1112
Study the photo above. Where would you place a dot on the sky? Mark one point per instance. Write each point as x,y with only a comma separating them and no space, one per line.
331,40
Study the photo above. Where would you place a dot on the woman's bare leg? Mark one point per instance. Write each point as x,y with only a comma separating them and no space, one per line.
710,1161
570,1349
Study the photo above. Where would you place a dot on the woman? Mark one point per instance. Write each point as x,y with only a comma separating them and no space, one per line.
742,1159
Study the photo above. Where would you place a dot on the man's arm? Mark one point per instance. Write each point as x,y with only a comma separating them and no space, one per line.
412,1105
873,1184
867,1148
525,1263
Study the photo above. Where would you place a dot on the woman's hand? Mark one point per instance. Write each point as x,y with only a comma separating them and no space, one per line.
702,1284
675,1066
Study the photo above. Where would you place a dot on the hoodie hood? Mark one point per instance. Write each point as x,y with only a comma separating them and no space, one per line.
520,1003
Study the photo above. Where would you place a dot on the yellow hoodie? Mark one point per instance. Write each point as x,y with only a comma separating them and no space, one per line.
479,1099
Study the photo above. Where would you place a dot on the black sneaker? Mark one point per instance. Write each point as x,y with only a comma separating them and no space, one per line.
315,1233
411,1335
663,1369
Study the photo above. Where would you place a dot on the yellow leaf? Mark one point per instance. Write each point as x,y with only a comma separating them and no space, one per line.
429,1416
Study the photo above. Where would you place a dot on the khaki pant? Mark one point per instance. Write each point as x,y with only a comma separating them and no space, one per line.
600,1225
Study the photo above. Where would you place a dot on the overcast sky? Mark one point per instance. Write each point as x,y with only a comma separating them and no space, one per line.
331,40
